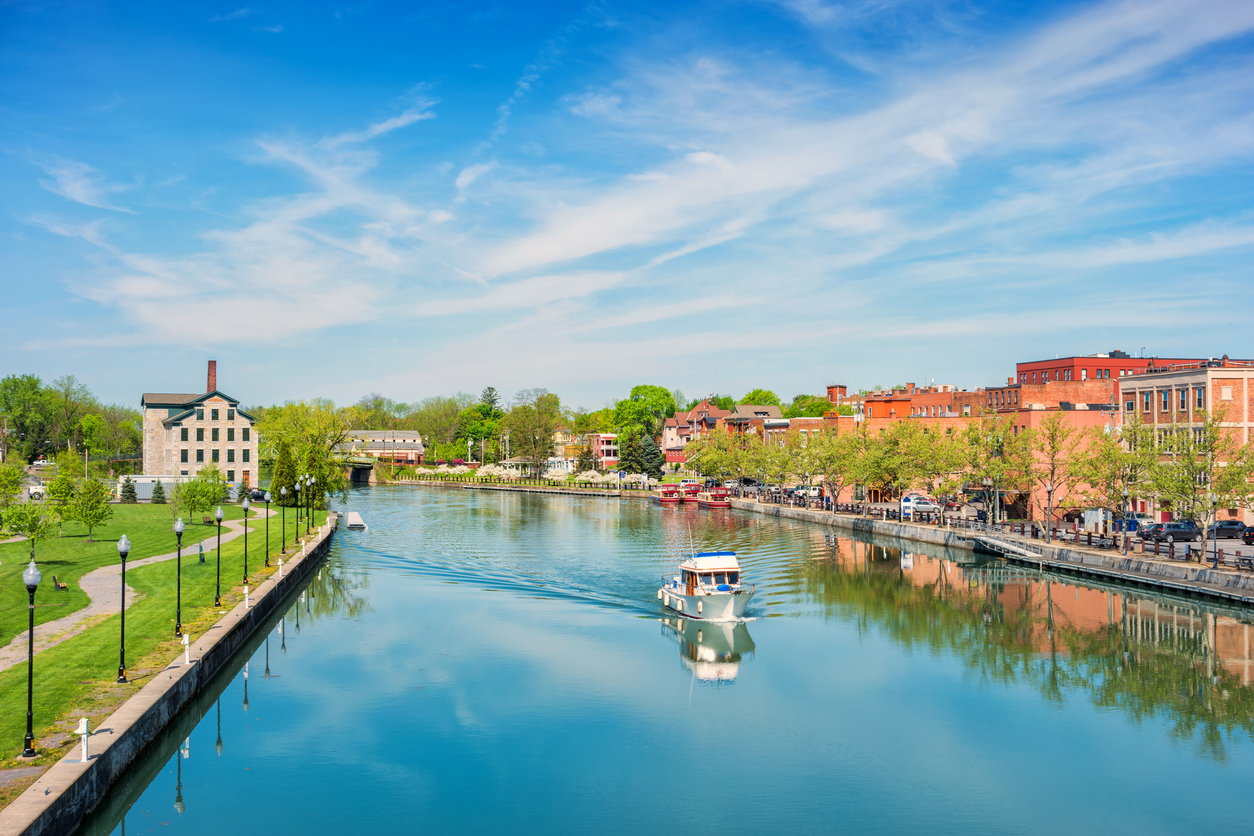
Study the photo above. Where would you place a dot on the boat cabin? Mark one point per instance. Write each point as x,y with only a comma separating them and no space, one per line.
708,572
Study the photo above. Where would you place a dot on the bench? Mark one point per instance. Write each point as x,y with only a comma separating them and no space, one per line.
208,520
56,583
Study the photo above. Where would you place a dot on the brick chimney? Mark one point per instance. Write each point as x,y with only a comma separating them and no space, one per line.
213,376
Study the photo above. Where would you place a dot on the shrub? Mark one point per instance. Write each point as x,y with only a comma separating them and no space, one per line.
158,494
128,496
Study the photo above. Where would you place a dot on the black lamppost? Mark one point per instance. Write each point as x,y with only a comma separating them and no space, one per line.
245,506
178,607
124,548
217,595
283,505
1049,510
299,505
267,528
31,578
309,499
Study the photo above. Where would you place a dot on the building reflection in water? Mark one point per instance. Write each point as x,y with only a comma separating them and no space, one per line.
710,651
1140,652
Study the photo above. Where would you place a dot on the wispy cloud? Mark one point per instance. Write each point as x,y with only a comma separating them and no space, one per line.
81,183
235,15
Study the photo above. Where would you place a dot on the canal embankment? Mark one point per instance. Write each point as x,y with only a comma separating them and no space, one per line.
71,788
1179,577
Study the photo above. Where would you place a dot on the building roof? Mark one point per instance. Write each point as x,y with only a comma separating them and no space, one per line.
745,411
163,399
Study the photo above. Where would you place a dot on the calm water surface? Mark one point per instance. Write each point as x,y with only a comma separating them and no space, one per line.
499,662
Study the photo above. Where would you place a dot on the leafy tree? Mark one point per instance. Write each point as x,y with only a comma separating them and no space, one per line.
27,408
1117,461
128,496
833,460
1204,468
652,458
644,409
536,416
198,495
724,402
11,479
490,398
69,399
587,460
318,426
158,494
760,397
60,492
30,520
993,452
90,505
1055,455
284,476
807,406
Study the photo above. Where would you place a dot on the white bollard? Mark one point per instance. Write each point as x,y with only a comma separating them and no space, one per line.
83,732
187,649
280,567
246,605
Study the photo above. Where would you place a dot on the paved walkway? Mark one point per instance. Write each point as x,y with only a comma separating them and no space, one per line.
103,587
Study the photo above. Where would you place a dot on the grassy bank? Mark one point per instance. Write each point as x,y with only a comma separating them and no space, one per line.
77,677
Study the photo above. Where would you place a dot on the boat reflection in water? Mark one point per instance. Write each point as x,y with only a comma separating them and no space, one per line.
711,651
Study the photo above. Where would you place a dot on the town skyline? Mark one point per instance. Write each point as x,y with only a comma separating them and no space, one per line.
587,197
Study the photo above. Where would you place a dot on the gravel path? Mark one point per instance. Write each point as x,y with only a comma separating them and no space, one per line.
103,587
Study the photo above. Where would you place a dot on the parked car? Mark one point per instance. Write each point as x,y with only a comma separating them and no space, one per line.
1222,529
922,505
1151,531
257,496
1184,530
730,484
1248,536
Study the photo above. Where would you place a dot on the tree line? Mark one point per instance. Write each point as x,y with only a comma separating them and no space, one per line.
1193,470
39,419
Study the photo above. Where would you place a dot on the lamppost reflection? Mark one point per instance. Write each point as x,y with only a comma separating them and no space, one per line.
217,746
245,686
183,752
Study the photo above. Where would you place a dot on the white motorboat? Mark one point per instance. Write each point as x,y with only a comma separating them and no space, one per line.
707,587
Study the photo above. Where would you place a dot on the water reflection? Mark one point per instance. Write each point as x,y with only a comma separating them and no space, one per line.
710,651
1140,653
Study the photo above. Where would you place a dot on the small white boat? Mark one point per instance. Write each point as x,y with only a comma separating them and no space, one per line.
707,587
355,522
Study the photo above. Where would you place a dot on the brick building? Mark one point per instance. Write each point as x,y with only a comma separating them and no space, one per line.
184,433
688,426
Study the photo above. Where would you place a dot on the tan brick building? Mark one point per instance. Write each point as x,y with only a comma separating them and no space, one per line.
184,433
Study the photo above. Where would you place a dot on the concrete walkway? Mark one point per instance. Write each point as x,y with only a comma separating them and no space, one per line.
103,587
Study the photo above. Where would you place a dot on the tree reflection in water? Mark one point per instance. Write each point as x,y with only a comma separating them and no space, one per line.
1145,655
332,591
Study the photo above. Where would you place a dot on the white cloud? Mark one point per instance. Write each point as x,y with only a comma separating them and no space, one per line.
595,104
469,175
81,183
235,15
528,293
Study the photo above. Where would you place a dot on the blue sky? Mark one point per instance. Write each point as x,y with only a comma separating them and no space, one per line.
336,199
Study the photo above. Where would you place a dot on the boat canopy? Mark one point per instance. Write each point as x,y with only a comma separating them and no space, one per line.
712,562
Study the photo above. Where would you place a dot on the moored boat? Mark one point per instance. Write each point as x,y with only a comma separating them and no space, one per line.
666,495
714,498
708,587
689,492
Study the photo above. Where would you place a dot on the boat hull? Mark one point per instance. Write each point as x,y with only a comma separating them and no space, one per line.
666,500
713,503
721,606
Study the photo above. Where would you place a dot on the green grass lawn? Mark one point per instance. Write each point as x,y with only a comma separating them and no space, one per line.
77,678
149,528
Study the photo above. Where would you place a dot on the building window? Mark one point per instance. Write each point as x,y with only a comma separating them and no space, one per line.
247,481
214,431
213,415
1166,400
230,415
966,410
230,455
230,476
215,454
1201,398
183,434
1033,377
245,452
200,415
1130,406
1084,374
200,433
230,433
1146,397
245,431
183,456
200,455
1182,396
182,473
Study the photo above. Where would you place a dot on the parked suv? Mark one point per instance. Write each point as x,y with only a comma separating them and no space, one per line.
1225,528
1247,536
1184,530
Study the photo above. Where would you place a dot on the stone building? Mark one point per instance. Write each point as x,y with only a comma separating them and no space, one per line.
184,433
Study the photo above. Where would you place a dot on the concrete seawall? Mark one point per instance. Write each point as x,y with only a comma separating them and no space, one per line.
1175,576
57,802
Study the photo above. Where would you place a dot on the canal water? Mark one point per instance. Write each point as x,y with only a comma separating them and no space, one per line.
498,662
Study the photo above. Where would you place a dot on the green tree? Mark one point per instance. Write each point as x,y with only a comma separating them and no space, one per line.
158,494
630,453
652,457
808,406
11,479
69,400
644,409
587,460
284,476
1054,447
128,496
997,459
490,398
536,416
833,460
30,520
90,505
1204,468
26,409
198,495
60,492
760,397
1117,461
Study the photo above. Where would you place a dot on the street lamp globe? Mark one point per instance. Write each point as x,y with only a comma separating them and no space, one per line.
267,496
217,515
179,528
124,547
31,577
245,506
